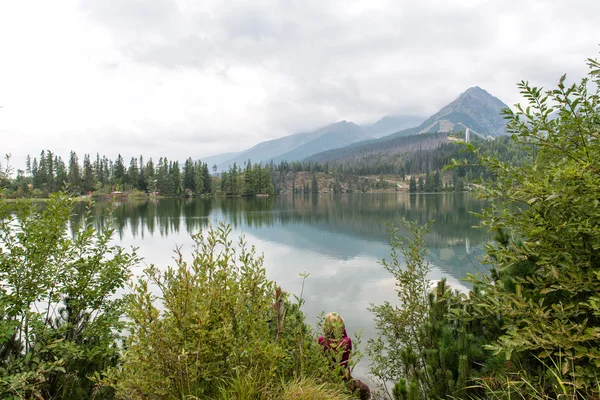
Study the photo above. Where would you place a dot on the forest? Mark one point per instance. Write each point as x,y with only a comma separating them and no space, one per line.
415,170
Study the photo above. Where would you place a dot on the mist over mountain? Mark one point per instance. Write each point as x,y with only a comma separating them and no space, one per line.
475,109
338,135
300,145
391,124
219,158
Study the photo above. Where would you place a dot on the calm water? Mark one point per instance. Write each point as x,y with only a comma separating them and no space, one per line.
338,239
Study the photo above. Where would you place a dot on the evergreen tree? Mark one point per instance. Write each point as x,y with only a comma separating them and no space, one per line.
150,177
251,178
164,185
198,178
141,181
207,180
437,182
119,171
133,173
413,184
74,174
429,182
189,175
61,175
28,165
233,180
314,185
225,183
175,177
34,170
87,184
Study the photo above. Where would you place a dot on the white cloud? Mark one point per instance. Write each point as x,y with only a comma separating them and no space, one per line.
194,78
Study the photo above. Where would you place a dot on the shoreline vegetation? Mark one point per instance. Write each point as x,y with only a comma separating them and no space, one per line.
415,171
212,326
126,197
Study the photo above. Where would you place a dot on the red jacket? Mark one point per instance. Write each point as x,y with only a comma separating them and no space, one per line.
343,345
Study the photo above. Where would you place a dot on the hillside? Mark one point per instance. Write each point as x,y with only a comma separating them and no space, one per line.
391,124
385,148
475,109
300,145
339,135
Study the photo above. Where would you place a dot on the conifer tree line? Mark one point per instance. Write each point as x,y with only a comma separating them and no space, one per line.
248,180
50,174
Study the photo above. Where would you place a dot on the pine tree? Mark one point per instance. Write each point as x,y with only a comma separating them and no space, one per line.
175,177
150,177
133,173
74,174
28,165
87,184
189,176
199,178
413,184
437,182
62,177
141,180
119,171
314,185
207,180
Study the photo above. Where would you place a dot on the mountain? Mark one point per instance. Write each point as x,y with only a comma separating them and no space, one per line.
475,109
337,135
218,159
300,145
390,124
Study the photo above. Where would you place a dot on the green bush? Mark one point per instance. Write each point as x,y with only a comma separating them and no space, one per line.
545,279
59,316
214,327
427,348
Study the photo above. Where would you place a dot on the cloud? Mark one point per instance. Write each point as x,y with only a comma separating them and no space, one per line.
195,78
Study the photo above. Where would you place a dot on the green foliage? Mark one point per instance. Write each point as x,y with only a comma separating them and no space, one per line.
214,327
545,281
59,316
254,179
104,176
425,349
398,326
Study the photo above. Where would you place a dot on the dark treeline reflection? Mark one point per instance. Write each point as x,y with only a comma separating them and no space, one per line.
360,215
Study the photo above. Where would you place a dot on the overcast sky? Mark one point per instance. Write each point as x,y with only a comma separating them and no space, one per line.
181,78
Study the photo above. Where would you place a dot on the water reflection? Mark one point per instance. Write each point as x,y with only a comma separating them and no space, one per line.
360,214
338,239
340,226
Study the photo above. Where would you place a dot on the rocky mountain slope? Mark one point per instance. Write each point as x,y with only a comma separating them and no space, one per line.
475,109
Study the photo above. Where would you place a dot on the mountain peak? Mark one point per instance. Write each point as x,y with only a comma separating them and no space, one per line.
482,95
344,123
475,89
475,108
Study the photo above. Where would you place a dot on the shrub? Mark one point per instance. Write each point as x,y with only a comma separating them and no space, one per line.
59,318
215,327
546,266
427,347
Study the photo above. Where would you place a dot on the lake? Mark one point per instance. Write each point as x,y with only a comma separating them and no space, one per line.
338,239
